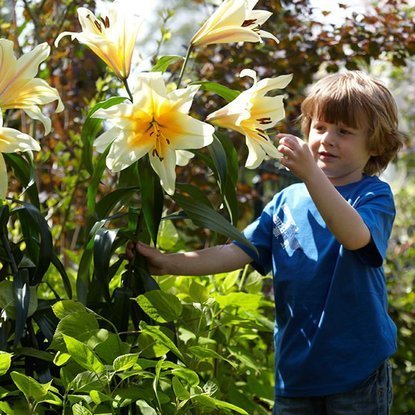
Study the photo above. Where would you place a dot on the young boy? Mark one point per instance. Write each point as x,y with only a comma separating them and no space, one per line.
324,240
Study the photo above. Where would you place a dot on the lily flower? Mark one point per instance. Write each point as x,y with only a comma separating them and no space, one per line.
11,141
252,113
234,21
112,38
19,88
156,123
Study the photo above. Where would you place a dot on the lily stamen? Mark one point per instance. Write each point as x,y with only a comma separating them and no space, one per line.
248,22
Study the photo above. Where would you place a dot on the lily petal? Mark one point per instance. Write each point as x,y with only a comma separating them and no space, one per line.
233,21
166,170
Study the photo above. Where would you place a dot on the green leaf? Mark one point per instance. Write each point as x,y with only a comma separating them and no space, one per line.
83,355
221,90
206,217
209,402
6,408
239,299
78,409
179,390
8,302
204,353
62,271
31,388
91,128
125,362
160,337
25,171
152,197
103,246
164,62
45,250
111,200
5,362
145,408
95,181
160,306
87,381
64,308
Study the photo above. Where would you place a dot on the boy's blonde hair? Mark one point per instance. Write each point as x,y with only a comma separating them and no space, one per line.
358,101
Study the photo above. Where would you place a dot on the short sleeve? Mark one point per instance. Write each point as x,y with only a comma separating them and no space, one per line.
259,233
377,210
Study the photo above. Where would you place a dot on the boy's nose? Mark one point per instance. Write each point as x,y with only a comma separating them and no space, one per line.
327,139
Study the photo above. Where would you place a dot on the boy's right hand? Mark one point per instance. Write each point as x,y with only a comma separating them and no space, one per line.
155,259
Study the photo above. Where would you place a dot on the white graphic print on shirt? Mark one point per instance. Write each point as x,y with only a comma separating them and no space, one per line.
285,230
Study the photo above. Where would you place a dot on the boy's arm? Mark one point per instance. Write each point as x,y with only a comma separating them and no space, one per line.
341,218
214,260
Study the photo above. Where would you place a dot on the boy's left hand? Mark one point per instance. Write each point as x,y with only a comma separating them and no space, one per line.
297,156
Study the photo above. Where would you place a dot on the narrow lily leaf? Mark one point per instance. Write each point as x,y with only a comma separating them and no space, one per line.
221,90
95,181
31,388
160,306
83,355
24,170
195,193
152,197
45,242
164,62
21,289
103,246
62,271
117,197
5,362
206,217
91,128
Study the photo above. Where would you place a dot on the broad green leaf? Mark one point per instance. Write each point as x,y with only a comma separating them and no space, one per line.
61,358
243,356
79,409
243,300
6,408
198,292
168,236
164,62
125,362
31,388
209,402
190,376
80,325
161,338
160,306
150,347
206,217
221,90
179,390
83,355
229,283
112,347
5,362
64,308
87,381
145,408
99,397
205,353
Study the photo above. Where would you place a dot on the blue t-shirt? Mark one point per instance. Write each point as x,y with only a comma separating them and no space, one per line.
332,326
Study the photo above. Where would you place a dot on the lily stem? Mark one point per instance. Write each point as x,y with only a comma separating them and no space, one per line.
127,88
186,59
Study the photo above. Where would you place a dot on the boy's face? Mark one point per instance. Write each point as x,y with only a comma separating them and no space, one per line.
340,151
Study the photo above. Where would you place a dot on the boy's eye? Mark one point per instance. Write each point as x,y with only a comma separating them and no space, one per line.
345,132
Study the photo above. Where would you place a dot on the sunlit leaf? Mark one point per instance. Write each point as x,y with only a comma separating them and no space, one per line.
160,306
